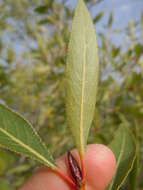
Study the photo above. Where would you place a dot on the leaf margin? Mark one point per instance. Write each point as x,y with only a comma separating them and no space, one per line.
49,164
133,160
83,146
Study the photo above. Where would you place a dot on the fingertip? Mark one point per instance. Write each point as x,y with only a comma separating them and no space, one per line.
100,165
44,179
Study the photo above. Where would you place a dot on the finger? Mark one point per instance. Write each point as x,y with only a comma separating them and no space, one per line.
99,164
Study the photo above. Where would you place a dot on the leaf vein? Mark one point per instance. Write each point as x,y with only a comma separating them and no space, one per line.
82,96
26,147
119,158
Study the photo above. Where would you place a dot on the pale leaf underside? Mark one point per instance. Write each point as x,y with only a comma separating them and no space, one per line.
81,75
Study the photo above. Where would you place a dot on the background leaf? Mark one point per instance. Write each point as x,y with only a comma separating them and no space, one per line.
133,175
110,20
82,76
124,148
42,9
17,134
98,17
4,185
134,172
6,160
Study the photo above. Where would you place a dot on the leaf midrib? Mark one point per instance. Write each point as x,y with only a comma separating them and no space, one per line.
27,147
119,159
82,96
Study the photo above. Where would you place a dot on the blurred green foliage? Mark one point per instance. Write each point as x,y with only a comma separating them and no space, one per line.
32,79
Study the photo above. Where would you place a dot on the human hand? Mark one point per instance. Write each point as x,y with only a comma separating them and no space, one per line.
99,165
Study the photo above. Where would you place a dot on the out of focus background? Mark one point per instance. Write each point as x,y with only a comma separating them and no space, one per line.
33,44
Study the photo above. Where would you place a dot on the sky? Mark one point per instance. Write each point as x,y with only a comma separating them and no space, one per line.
124,11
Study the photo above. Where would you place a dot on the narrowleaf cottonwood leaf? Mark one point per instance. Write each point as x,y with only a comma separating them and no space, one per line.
134,172
124,148
81,76
17,134
133,175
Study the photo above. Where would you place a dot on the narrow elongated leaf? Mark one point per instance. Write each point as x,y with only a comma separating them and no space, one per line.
41,9
134,172
82,76
133,175
17,134
124,148
110,21
98,17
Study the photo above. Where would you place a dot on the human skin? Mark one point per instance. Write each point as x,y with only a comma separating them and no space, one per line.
99,165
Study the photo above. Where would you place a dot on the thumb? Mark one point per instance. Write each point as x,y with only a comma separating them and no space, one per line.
99,165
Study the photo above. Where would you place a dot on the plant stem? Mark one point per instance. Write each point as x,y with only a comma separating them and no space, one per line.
83,171
82,167
66,178
82,188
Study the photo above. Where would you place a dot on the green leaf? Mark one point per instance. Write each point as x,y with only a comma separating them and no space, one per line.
134,172
82,76
17,134
138,49
6,160
115,51
18,169
98,17
110,21
41,9
133,175
4,185
124,148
